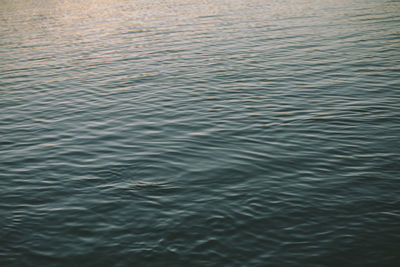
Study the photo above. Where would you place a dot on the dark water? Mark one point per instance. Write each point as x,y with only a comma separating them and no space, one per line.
199,133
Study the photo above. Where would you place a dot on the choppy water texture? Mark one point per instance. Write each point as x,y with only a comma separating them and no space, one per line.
199,133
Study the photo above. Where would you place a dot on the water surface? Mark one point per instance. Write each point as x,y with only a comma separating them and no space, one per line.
199,133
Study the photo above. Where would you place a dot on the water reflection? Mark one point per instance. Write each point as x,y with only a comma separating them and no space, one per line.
177,132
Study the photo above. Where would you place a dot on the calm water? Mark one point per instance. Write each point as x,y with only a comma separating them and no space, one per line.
199,133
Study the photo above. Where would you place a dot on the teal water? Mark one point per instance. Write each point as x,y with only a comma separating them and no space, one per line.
199,133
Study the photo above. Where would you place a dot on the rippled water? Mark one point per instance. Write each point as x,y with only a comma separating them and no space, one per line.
198,133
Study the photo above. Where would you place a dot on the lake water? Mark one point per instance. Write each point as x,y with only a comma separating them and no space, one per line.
199,133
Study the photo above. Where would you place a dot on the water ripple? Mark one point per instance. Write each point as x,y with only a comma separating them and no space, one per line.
226,133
